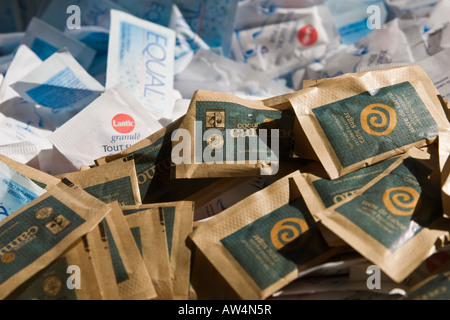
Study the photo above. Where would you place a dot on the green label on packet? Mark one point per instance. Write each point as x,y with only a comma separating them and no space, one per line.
119,268
136,232
334,191
375,122
397,207
169,222
236,121
34,232
49,284
276,244
153,172
116,190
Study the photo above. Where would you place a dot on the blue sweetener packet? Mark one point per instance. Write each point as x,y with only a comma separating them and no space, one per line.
16,190
59,82
141,59
45,40
157,11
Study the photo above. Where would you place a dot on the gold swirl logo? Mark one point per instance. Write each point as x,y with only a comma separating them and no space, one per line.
378,116
401,201
285,233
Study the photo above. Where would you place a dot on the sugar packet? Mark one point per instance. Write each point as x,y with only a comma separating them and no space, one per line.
130,273
115,181
141,58
157,11
433,288
359,119
353,17
262,243
45,40
223,135
39,177
110,124
16,190
45,228
211,20
396,219
177,217
59,82
152,157
149,233
187,41
213,71
55,282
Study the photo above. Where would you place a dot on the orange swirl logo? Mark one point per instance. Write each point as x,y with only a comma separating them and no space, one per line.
286,231
378,116
401,201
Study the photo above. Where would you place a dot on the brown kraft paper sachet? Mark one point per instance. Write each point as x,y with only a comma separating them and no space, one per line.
74,268
359,119
206,282
260,244
223,135
178,221
42,230
396,219
152,158
129,270
149,232
117,182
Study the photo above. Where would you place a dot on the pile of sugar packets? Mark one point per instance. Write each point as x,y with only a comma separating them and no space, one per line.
224,149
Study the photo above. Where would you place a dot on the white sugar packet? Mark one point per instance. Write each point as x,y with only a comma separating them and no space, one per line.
45,40
437,69
22,152
12,131
188,42
141,59
113,122
210,71
59,82
287,39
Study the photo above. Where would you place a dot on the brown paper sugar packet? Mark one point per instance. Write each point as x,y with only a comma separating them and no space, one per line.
224,193
152,157
102,262
320,192
206,282
396,219
149,233
178,222
444,167
130,272
69,277
115,181
223,135
43,229
358,119
260,244
41,178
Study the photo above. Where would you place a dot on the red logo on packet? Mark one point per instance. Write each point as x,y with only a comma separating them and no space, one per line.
123,123
307,35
